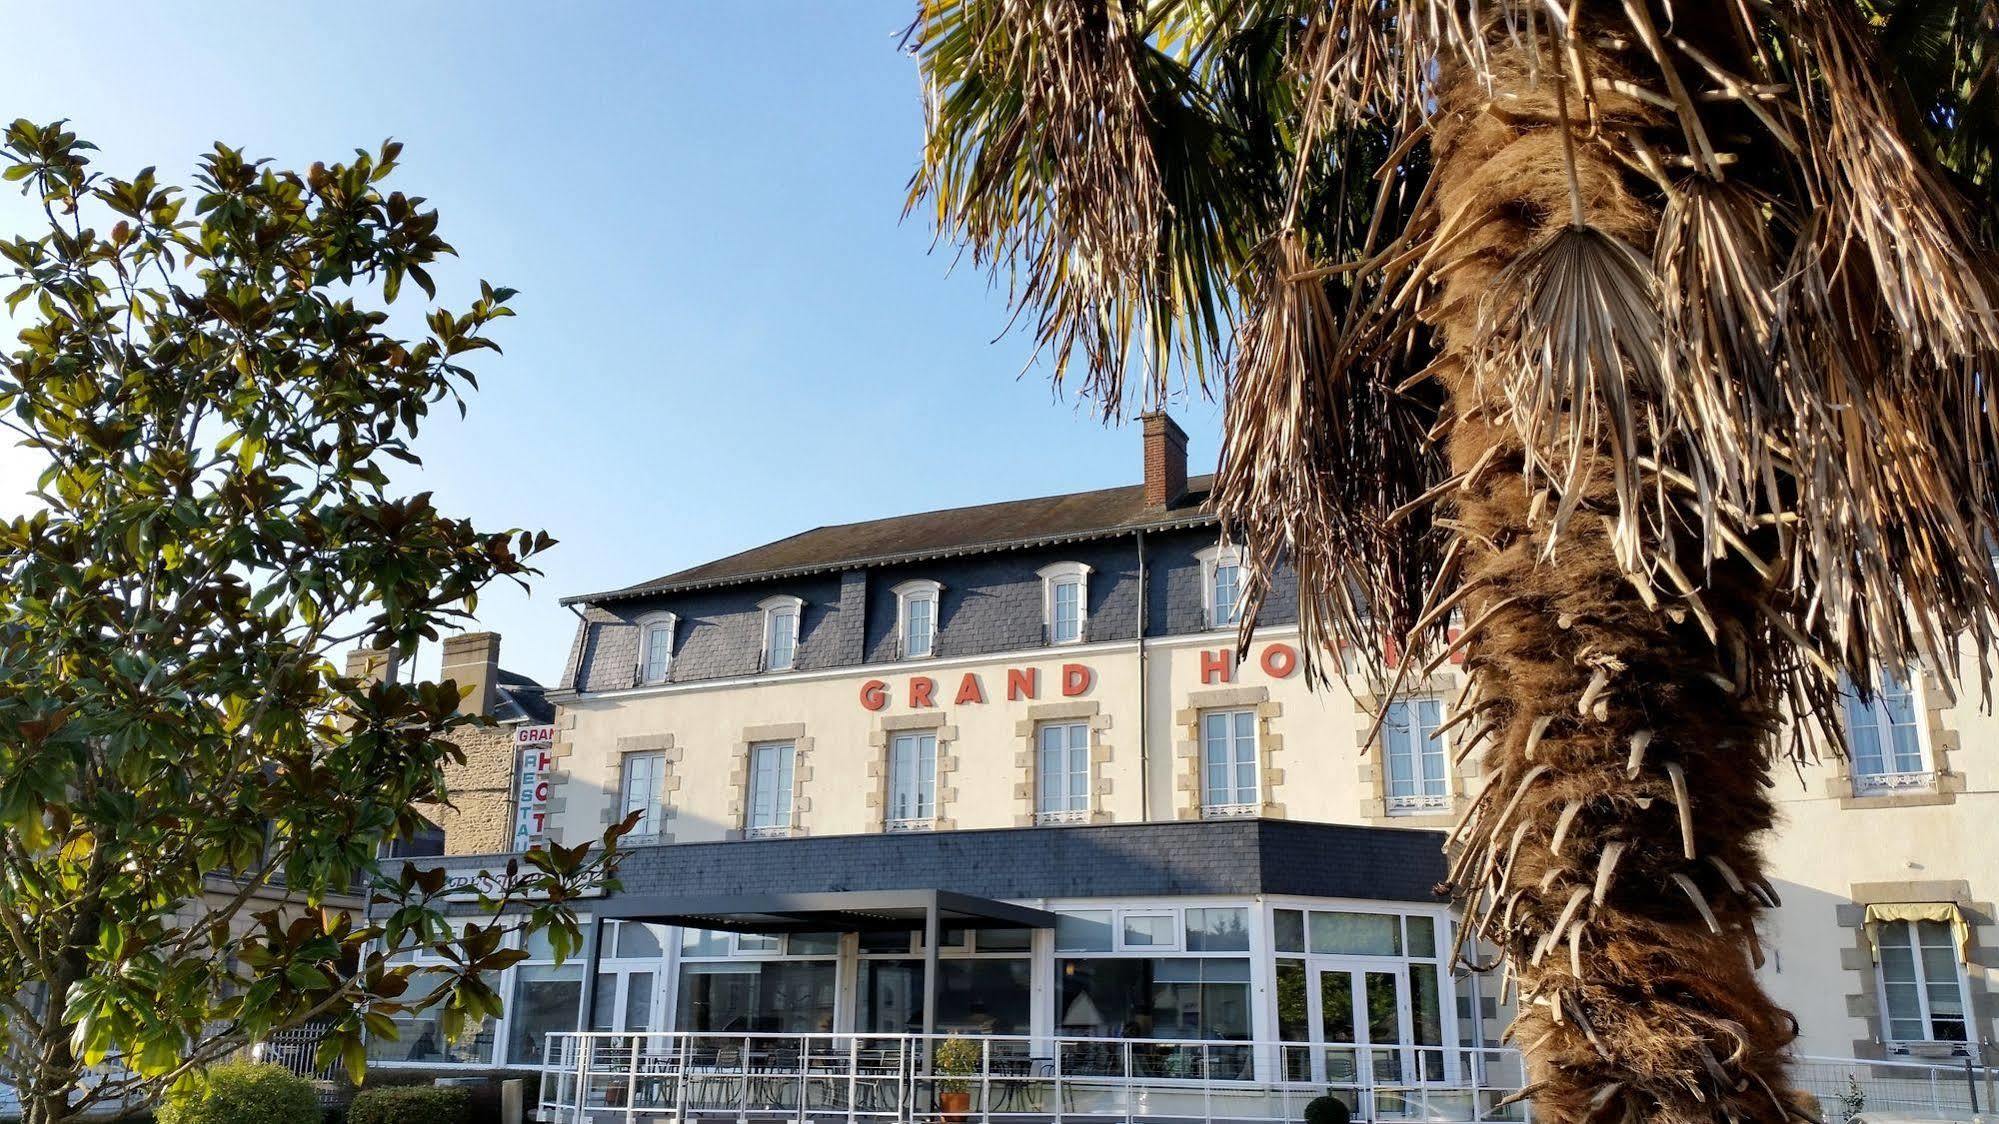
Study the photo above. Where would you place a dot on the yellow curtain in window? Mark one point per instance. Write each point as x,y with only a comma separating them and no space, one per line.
1946,912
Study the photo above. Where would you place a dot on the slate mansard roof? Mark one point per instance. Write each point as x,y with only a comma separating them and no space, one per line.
1012,525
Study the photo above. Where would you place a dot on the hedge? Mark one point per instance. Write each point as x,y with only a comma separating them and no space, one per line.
244,1093
411,1104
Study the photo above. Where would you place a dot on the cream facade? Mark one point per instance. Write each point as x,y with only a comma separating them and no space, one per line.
1038,706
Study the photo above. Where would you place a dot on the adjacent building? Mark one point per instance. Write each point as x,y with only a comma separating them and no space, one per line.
998,769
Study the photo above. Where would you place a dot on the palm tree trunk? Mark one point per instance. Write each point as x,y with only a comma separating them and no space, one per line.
1613,856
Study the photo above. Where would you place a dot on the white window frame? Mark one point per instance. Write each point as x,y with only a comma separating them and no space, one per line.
1231,809
1043,813
1922,992
1176,929
1417,802
781,797
655,807
648,624
920,589
918,820
772,606
1211,559
1054,576
1891,778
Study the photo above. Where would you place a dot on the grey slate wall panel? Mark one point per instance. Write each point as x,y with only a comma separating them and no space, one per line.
991,603
1220,857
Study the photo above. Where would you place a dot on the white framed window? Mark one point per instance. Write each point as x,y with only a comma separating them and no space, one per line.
1065,602
912,781
781,617
1062,772
1230,785
768,809
1923,993
916,618
1884,737
656,647
643,777
1149,930
1221,585
1417,760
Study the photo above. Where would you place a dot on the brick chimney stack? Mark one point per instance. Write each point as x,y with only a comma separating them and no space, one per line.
472,659
1165,460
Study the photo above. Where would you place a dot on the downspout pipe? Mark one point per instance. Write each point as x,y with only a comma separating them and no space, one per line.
1144,748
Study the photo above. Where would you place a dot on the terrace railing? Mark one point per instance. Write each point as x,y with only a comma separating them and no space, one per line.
613,1078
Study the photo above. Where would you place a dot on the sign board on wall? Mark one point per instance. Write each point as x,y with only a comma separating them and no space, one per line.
534,757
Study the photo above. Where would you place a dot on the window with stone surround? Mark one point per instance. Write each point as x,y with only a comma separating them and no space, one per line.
1230,785
1062,772
1922,984
1884,738
640,790
1419,780
771,772
912,781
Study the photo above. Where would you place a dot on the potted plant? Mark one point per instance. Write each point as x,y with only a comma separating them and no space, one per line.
956,1060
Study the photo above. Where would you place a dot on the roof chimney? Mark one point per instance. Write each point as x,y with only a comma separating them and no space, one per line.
1165,460
371,665
472,660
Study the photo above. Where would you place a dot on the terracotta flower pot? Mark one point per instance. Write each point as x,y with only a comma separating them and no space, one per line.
957,1105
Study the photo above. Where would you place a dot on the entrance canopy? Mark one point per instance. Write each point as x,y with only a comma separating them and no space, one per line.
849,911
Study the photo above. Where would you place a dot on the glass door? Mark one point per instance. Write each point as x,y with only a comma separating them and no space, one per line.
625,999
1360,1021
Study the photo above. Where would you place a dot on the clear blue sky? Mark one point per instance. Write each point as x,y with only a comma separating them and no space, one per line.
726,332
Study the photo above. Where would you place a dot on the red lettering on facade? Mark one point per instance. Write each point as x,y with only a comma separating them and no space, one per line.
1279,661
874,694
541,792
1022,683
970,690
920,690
1076,679
1218,666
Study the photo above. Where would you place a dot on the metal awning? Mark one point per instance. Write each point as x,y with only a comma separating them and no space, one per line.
851,911
847,911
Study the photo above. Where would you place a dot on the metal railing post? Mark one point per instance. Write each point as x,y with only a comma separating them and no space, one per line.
853,1074
986,1081
1061,1097
1476,1065
1127,1082
1971,1084
632,1082
582,1078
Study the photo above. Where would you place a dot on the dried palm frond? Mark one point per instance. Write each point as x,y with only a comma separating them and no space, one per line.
1575,342
1324,440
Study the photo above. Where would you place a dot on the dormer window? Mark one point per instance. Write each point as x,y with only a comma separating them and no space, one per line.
1221,585
1065,601
916,618
656,648
781,616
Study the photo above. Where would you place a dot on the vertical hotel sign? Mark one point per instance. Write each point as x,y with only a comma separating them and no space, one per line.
534,757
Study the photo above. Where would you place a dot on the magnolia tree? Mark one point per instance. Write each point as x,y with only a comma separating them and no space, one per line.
188,786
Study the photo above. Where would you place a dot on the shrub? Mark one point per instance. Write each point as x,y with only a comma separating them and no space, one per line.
1327,1110
411,1104
244,1093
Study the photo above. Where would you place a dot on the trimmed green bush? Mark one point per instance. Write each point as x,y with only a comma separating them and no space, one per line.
244,1093
411,1104
1327,1110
